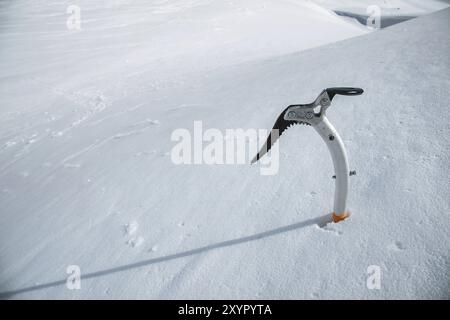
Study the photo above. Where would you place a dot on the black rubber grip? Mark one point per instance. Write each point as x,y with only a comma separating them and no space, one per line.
346,91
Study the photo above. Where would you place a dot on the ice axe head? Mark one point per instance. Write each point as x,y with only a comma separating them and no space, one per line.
308,114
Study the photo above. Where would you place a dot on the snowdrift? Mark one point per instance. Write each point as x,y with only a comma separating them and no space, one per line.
87,180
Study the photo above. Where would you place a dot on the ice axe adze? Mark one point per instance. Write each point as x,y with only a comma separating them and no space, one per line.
307,114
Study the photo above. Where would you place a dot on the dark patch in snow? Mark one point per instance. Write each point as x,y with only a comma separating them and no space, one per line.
385,21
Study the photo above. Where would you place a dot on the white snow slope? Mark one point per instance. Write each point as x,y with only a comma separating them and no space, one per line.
86,176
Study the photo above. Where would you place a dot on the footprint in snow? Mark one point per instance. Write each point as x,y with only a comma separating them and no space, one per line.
396,246
31,139
9,144
56,134
153,122
131,228
135,242
314,295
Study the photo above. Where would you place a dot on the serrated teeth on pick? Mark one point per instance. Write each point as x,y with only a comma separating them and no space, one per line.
281,125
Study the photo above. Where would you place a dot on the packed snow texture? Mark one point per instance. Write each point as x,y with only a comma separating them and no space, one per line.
86,176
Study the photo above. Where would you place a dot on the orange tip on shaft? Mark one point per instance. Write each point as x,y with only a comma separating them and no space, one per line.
341,217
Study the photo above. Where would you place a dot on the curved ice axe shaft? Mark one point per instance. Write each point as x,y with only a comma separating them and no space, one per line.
336,147
306,114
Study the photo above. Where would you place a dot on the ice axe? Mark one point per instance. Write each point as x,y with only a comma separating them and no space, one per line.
309,115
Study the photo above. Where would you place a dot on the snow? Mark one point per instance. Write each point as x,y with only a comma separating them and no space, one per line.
390,11
86,176
388,7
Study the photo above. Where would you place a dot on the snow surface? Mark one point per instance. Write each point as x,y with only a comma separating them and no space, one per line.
388,7
86,177
391,11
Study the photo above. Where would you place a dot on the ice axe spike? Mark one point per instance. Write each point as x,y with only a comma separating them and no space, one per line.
305,114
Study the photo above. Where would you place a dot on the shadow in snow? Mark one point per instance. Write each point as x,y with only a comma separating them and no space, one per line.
320,221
